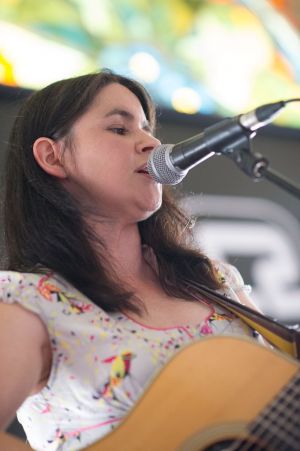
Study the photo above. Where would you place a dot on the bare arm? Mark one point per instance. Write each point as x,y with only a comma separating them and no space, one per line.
11,443
246,300
23,340
236,283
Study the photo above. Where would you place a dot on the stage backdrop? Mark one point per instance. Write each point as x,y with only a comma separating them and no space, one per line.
253,225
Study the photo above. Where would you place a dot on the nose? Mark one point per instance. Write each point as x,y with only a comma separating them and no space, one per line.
147,143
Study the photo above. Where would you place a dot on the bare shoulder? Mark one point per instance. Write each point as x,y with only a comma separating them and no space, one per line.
24,356
18,318
23,331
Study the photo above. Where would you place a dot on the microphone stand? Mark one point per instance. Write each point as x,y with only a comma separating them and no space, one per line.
257,166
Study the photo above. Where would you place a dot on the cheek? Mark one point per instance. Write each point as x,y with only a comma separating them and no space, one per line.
102,180
98,167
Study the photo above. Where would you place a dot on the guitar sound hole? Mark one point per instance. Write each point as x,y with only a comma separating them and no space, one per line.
234,445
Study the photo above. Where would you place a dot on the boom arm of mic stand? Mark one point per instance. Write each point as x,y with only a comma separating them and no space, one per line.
257,167
280,181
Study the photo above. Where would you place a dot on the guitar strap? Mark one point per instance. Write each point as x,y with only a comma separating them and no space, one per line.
282,337
280,342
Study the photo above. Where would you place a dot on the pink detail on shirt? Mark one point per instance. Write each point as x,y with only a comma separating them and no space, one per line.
206,329
47,409
88,428
212,312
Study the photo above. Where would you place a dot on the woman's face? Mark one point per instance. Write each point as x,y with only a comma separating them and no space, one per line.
112,142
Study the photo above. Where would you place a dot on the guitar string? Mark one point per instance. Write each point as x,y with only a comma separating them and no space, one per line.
292,423
272,436
280,417
275,417
246,446
281,438
271,413
256,445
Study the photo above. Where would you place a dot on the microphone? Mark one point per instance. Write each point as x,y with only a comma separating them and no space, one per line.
168,163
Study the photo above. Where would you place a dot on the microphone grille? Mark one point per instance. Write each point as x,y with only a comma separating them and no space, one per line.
160,167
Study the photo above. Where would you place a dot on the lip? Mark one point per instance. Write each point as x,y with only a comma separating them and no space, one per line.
143,169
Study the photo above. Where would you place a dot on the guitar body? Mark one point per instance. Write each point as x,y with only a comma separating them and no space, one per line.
230,381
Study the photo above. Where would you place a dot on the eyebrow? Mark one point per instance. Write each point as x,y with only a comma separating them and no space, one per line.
128,116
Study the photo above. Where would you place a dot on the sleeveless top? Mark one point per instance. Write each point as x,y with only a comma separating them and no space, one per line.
102,362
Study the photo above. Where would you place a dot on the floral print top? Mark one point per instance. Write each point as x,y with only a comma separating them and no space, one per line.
101,362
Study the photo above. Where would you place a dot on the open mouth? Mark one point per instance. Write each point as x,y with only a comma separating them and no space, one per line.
143,170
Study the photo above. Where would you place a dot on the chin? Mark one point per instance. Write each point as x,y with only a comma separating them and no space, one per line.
146,216
150,211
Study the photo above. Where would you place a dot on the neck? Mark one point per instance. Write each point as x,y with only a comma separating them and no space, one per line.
122,246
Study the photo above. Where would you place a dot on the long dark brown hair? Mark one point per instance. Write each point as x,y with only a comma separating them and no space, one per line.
44,227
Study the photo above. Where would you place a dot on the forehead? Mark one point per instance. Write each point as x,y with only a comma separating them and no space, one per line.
117,97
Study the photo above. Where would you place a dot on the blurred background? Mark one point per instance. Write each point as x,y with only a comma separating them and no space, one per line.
201,60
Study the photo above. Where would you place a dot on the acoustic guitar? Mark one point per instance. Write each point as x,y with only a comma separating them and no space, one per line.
220,393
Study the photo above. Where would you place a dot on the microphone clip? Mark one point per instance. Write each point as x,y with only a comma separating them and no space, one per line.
252,164
257,167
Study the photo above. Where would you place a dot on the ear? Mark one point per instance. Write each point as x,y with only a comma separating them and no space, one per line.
47,154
